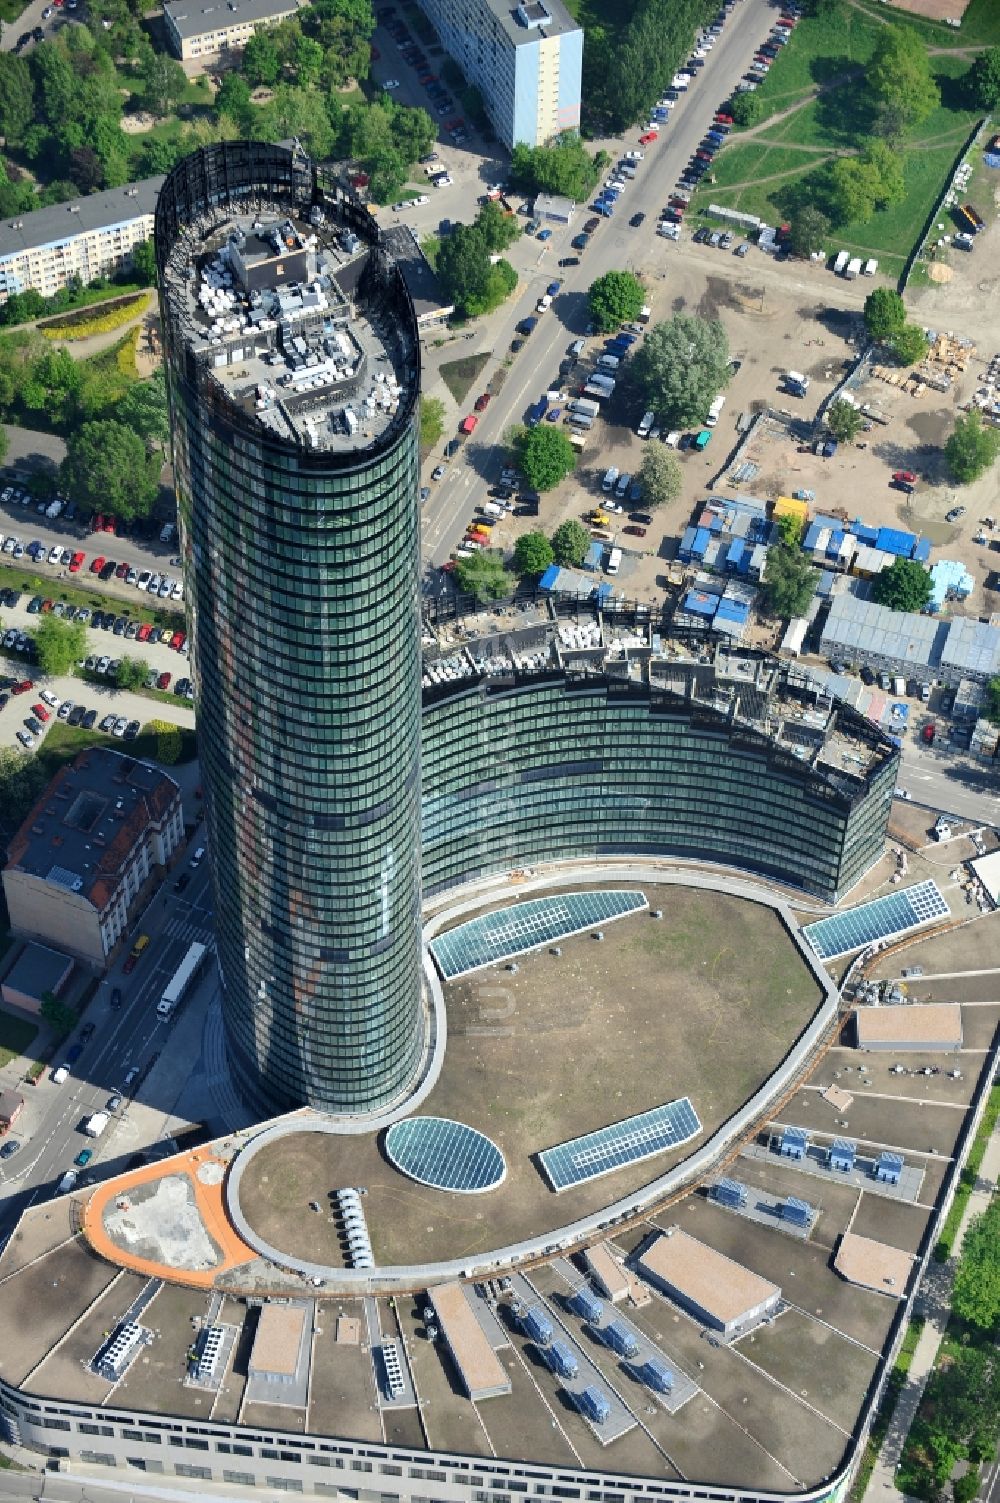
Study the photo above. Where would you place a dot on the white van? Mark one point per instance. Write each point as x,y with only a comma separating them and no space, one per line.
610,476
61,1074
715,412
614,561
492,509
673,438
646,424
608,362
67,1182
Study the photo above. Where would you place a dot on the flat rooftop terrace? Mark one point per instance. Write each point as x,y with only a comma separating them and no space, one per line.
283,308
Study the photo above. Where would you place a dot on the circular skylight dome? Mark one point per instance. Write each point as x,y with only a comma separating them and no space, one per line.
445,1155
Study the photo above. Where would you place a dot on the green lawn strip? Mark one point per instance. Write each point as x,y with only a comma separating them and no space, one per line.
880,1424
460,375
30,582
103,681
87,297
980,25
16,1035
968,1177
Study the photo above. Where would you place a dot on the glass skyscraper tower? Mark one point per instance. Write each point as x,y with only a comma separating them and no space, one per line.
293,368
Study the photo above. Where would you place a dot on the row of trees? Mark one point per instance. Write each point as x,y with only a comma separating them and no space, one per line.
627,67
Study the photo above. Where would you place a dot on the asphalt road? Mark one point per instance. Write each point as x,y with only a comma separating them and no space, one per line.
124,1038
31,17
615,246
950,781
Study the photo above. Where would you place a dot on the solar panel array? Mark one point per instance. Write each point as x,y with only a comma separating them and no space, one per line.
445,1155
628,1142
492,937
882,918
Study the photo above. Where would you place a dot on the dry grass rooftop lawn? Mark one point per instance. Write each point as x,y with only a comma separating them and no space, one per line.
703,1003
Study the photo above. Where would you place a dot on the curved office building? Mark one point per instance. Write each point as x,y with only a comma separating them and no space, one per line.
734,763
293,370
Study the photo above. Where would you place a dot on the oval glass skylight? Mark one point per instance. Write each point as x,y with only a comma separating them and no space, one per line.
445,1155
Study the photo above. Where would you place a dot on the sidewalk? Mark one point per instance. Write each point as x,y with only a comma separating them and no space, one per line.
935,1301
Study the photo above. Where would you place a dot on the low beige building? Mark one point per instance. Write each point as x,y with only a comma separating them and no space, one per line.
91,851
873,1265
36,970
207,30
480,1370
922,1026
711,1287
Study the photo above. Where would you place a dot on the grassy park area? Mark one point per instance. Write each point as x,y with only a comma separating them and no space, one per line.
816,108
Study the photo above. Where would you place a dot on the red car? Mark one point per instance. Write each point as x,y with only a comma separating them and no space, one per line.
98,564
636,532
109,524
24,687
130,964
177,641
142,635
42,713
906,476
448,567
678,203
163,681
724,119
47,606
121,571
483,402
457,124
928,732
76,563
648,138
703,156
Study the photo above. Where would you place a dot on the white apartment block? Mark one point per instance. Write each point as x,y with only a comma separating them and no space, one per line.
200,32
525,59
80,240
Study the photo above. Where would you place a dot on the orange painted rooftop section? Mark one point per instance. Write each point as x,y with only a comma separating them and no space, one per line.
209,1199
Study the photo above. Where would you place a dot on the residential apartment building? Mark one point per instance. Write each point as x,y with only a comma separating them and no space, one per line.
90,852
76,241
206,32
525,59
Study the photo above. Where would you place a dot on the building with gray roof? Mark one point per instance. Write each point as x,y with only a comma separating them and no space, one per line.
971,650
200,30
87,237
910,643
525,59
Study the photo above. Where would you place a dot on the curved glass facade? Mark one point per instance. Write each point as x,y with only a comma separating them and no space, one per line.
550,768
301,568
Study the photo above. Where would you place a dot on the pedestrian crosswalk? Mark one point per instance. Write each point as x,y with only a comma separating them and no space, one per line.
190,930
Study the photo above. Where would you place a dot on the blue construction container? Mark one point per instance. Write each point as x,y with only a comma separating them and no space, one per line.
921,550
864,533
734,556
657,1375
560,1358
812,536
702,538
548,579
894,540
685,551
620,1339
835,543
538,1326
594,1403
587,1305
595,556
700,604
603,592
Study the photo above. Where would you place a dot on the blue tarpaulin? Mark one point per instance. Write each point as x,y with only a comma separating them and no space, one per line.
812,536
700,604
864,533
595,555
548,579
922,551
702,538
834,545
893,540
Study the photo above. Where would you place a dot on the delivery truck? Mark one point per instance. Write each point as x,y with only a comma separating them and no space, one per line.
95,1124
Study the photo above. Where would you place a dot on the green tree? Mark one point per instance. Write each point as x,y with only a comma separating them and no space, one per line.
545,456
909,344
59,1015
565,167
261,62
898,79
233,99
972,448
680,368
17,97
386,174
431,421
844,421
789,582
809,232
132,673
307,62
791,530
615,299
975,1296
60,644
53,385
966,1487
746,109
163,82
484,575
570,543
467,277
904,586
885,313
168,741
983,80
412,133
499,230
105,467
144,263
23,780
659,475
532,553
